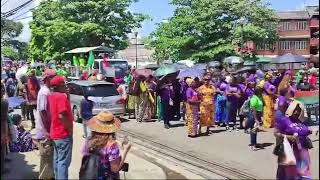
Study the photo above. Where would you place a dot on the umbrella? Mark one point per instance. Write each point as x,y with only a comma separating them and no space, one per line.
180,66
189,63
264,60
233,60
201,66
289,58
169,77
249,63
164,70
22,72
192,72
143,72
245,69
214,64
15,101
152,66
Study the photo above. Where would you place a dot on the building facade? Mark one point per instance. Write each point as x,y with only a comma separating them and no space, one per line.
298,33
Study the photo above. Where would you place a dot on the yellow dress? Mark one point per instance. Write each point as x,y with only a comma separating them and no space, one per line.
207,105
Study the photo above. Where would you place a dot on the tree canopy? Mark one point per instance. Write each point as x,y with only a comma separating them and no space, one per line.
207,30
9,30
61,25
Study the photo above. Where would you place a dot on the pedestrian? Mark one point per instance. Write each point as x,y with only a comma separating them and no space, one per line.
61,130
255,116
184,87
165,92
221,105
291,127
22,93
11,85
143,101
193,100
103,142
233,96
4,126
207,93
86,114
269,100
177,98
33,88
152,87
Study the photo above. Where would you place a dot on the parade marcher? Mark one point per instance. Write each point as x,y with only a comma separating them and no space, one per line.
207,93
144,105
184,87
269,100
103,142
233,96
165,92
193,100
152,87
221,105
11,85
255,115
313,78
292,128
33,87
177,99
43,123
86,114
22,93
61,130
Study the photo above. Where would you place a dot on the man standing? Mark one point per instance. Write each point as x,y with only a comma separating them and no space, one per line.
61,129
33,88
43,123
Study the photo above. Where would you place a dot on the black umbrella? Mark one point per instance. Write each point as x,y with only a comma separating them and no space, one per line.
246,69
214,64
152,66
289,58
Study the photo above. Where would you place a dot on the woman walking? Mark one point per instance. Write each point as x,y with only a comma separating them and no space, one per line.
103,141
207,93
221,105
269,99
292,128
192,108
255,115
233,96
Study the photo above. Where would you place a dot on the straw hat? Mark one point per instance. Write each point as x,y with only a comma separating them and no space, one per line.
293,106
104,122
189,81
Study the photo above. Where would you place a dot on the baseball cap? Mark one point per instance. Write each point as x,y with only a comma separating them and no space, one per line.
57,80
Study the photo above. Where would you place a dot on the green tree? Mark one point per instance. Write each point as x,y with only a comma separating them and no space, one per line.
9,30
61,25
206,29
9,52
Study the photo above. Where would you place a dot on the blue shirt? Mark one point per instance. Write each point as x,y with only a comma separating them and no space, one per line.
86,109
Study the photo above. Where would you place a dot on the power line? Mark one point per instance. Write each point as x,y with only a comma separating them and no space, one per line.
17,9
4,3
22,18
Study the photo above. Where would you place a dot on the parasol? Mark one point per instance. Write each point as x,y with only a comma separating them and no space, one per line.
164,70
246,69
214,64
264,60
152,66
191,72
233,60
288,58
188,63
201,66
249,63
180,66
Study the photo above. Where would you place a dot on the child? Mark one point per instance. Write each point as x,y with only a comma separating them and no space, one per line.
86,114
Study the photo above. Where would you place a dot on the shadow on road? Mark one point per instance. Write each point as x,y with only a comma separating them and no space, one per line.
18,168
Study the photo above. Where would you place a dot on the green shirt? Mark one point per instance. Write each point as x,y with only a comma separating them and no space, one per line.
256,103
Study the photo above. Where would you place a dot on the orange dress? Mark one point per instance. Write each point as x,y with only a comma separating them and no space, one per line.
207,105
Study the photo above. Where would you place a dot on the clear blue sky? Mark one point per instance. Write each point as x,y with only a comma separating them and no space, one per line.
161,9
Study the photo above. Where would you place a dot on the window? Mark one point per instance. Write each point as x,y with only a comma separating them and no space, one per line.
267,46
301,25
285,26
300,44
75,89
101,90
285,45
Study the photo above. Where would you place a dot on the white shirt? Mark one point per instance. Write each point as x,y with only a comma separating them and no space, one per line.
42,104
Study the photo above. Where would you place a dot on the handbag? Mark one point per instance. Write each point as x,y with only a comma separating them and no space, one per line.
289,159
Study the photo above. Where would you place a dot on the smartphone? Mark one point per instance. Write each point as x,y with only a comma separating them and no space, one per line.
125,167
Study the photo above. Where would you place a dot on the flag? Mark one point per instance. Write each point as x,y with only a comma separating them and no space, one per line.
105,61
90,60
75,61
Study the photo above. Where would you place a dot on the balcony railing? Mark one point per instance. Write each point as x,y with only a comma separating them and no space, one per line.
314,23
314,42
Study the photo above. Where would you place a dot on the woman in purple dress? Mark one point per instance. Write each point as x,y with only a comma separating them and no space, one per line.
192,108
233,96
291,127
269,99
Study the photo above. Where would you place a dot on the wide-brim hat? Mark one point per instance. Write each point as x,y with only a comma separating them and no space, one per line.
104,122
293,106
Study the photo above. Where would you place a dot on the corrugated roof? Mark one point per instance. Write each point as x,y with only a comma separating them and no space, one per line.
293,15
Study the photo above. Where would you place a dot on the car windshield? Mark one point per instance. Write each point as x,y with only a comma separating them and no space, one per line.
101,90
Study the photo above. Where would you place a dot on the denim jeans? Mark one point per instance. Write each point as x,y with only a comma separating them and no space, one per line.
86,130
62,157
250,125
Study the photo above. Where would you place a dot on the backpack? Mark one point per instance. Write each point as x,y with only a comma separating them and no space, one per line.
11,87
90,166
245,108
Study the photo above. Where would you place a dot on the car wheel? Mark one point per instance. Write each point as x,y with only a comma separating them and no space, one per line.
76,114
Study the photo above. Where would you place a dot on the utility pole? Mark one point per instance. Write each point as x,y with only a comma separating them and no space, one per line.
136,37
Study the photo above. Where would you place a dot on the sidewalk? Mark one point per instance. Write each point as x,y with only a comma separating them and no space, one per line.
26,165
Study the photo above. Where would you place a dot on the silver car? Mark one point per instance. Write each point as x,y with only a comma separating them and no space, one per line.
104,95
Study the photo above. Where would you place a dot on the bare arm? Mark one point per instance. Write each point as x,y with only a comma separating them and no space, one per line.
117,164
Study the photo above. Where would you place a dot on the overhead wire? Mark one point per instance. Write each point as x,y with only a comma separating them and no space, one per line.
4,3
17,9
